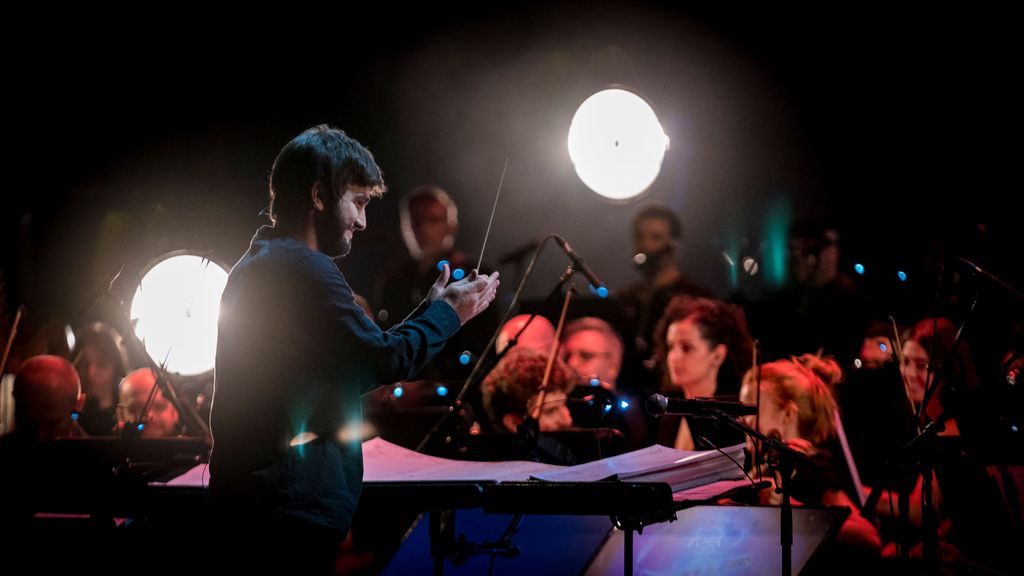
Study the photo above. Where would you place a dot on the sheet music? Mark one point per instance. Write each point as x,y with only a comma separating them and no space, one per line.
197,477
633,465
387,462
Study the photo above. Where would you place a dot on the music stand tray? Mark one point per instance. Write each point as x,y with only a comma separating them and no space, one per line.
735,540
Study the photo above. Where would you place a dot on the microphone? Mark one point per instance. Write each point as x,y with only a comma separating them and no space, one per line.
978,270
658,405
578,264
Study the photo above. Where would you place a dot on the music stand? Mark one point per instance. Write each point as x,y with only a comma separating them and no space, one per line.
736,540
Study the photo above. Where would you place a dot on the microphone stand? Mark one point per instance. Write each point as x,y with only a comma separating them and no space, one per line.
787,458
193,423
922,443
918,455
190,418
479,371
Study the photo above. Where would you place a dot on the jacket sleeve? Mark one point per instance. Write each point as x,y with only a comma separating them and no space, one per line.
387,356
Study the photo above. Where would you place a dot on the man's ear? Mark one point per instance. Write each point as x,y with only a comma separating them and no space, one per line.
317,196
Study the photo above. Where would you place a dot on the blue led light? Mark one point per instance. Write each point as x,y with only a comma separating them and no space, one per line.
398,391
74,416
459,274
1013,427
595,382
902,276
442,390
858,268
623,404
607,408
590,402
440,265
883,347
140,427
464,358
601,291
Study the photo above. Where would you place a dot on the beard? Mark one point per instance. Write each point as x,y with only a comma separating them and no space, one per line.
329,227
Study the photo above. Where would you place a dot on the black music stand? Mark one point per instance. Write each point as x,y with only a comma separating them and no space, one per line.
540,545
520,523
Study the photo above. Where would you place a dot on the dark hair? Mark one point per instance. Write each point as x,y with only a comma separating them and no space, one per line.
719,323
518,376
935,336
815,231
660,212
321,154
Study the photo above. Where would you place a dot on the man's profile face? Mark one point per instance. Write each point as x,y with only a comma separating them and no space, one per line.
338,221
591,355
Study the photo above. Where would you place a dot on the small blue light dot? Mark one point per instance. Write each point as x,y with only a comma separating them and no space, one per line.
595,382
459,274
464,359
590,402
140,427
440,265
623,405
883,347
902,276
1013,427
398,392
607,408
442,390
602,292
858,268
74,416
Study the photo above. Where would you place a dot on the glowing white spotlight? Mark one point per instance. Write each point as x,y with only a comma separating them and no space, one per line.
617,144
175,311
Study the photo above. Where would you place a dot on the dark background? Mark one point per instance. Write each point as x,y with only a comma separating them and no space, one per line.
131,140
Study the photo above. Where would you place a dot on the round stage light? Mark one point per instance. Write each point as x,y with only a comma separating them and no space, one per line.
175,310
617,144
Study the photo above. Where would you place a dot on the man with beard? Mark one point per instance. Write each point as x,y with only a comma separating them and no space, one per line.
295,352
657,235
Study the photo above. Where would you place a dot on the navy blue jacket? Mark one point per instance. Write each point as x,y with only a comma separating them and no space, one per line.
294,353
